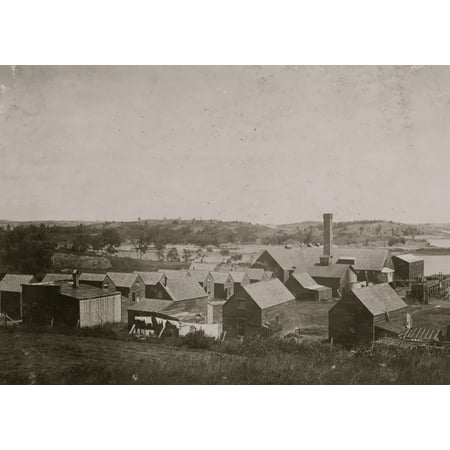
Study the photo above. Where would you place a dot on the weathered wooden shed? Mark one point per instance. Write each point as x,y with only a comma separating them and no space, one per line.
366,314
99,280
151,279
258,306
223,285
186,295
408,267
130,285
338,277
303,287
11,294
281,262
239,279
70,303
256,275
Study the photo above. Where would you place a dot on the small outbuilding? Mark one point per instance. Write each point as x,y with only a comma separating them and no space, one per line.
366,314
70,303
11,294
151,279
239,279
303,287
100,280
222,285
408,267
130,285
259,307
338,277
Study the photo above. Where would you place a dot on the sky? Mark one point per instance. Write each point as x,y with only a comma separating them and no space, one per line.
267,145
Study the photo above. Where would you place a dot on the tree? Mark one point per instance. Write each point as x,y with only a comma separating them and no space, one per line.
80,243
141,244
172,255
27,250
186,254
110,239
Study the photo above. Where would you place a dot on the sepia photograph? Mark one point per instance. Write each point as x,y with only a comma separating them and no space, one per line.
281,224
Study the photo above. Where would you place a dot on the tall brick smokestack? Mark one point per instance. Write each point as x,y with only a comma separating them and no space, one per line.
327,234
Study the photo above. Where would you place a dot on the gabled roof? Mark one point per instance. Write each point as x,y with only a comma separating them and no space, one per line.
49,277
365,258
203,266
151,305
306,282
409,258
330,271
220,277
237,277
256,274
288,259
151,278
85,292
268,293
93,277
123,279
184,289
13,282
199,275
175,274
379,299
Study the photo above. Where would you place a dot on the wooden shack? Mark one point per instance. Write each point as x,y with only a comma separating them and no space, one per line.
408,267
71,304
223,285
366,314
11,294
239,279
130,285
281,262
339,277
255,307
303,287
150,280
100,280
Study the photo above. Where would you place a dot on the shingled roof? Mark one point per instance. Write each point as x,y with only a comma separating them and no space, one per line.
85,292
330,271
288,259
268,293
175,274
49,277
365,258
220,277
122,279
306,281
151,278
409,258
379,299
199,275
13,282
237,277
184,289
100,277
255,274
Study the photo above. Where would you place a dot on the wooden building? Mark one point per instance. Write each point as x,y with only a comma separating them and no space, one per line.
130,285
366,314
338,277
202,277
70,303
223,285
368,263
303,287
150,280
267,305
186,295
239,279
11,294
51,277
408,267
175,274
100,280
281,262
256,275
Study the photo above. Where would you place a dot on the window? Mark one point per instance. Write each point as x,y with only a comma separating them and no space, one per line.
133,296
241,327
242,304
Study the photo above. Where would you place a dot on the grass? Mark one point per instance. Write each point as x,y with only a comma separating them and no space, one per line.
35,356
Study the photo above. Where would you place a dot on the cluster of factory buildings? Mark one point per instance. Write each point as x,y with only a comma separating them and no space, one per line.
230,301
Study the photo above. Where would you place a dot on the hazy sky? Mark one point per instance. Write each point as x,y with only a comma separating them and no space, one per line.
263,144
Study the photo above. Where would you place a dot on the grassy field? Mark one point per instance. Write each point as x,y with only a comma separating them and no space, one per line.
43,357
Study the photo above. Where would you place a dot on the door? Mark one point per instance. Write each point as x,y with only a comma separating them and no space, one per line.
241,327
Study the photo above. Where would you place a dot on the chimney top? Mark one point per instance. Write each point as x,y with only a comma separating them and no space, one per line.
76,278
